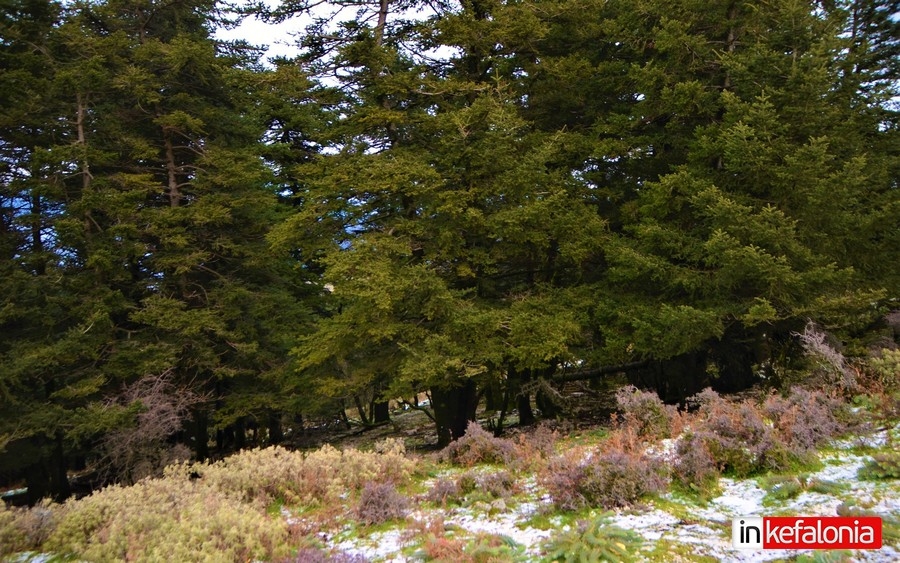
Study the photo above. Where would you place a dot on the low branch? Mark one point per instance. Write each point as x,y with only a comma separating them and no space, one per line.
427,412
594,373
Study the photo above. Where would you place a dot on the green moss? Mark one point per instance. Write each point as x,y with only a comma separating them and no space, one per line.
590,437
678,504
828,556
556,520
669,551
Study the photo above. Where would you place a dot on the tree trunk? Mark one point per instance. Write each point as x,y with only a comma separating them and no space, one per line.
276,432
361,410
240,434
545,403
174,189
734,355
516,380
201,435
526,413
383,6
381,412
454,408
37,479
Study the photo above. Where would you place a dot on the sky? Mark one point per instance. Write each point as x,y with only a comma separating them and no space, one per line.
276,36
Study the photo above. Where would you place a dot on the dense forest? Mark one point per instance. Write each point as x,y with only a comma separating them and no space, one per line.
201,250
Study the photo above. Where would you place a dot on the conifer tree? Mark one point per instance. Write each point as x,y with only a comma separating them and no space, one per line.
152,259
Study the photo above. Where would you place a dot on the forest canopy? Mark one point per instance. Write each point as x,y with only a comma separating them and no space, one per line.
200,251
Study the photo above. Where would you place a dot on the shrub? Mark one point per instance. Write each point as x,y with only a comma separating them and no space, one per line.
613,478
616,478
26,529
562,479
497,484
597,540
483,548
165,519
885,368
315,555
380,502
491,548
467,482
479,446
830,365
881,466
737,436
781,487
644,412
694,468
804,419
319,477
12,539
443,491
532,448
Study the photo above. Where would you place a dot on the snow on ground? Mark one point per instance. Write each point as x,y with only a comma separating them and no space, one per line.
699,530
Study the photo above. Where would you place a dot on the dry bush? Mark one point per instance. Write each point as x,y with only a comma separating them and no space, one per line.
829,364
622,438
695,469
320,477
477,484
737,436
534,448
483,548
496,484
380,502
443,491
804,419
140,450
619,478
315,555
613,477
12,538
645,413
26,529
479,446
442,548
562,478
166,519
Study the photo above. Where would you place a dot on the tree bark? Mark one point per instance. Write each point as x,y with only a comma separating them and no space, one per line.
172,173
383,6
201,435
381,412
276,432
454,408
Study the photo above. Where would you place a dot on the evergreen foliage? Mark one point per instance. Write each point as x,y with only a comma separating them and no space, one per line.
453,199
